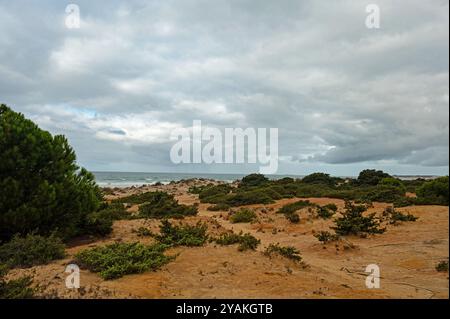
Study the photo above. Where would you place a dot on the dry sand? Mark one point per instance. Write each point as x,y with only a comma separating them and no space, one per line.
406,254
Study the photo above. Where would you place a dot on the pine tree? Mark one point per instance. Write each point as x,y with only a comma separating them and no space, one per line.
42,189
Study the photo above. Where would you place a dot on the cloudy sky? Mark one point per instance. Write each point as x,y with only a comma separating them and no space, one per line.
344,97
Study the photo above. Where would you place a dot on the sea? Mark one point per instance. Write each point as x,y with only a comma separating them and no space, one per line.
127,179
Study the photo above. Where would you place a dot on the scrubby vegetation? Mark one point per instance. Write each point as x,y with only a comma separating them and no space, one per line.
163,205
293,207
371,177
353,222
370,186
245,241
293,218
254,180
326,236
42,188
218,207
182,235
289,252
326,211
14,289
143,232
31,250
321,178
442,266
395,216
100,223
289,210
243,215
119,259
434,192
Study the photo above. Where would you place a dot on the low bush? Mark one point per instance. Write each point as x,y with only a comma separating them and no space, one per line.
404,201
393,182
293,218
14,289
326,211
319,178
217,207
289,252
395,216
371,177
136,198
31,250
293,207
434,192
245,241
442,266
163,205
115,210
119,259
182,235
243,215
254,180
214,193
100,223
197,189
143,232
257,196
353,222
384,193
326,236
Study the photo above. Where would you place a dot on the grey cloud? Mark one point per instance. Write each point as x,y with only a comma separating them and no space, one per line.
338,92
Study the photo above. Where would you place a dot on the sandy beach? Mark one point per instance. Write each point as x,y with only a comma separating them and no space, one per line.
406,253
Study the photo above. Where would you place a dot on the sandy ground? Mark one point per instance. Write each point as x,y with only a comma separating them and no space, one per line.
406,255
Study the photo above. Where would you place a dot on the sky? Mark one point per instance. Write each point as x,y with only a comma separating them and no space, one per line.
344,97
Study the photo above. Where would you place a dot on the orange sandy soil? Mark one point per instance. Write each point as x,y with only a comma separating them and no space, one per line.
406,253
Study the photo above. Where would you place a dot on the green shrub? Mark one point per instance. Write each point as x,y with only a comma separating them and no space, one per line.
197,189
138,199
119,259
289,252
326,211
326,236
144,232
214,194
243,215
15,289
98,224
245,241
254,180
404,201
371,177
31,250
331,207
413,185
393,182
42,188
395,216
217,207
115,210
183,235
293,218
384,193
293,207
434,192
251,197
163,205
442,266
353,222
319,178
